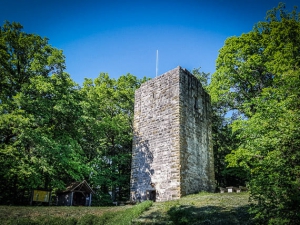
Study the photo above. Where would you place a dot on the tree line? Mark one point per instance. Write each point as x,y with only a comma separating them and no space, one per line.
53,132
257,82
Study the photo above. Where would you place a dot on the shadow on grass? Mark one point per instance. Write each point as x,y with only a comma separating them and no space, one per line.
192,215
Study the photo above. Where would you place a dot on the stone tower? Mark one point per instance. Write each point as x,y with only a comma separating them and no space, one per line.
172,145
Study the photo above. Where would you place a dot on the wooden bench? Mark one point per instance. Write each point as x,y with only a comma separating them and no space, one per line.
234,189
230,189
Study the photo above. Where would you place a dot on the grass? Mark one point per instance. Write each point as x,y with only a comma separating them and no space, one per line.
121,215
16,212
202,208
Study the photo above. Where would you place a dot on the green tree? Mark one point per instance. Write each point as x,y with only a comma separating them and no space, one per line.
40,112
257,78
247,64
201,76
107,141
223,139
24,56
270,150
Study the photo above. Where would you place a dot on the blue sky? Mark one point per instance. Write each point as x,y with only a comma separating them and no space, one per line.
120,37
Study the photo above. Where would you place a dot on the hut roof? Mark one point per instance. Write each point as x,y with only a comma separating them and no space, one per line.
80,187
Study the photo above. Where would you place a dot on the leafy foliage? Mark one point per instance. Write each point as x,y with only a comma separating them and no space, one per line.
201,76
107,142
39,116
271,152
223,139
258,78
53,132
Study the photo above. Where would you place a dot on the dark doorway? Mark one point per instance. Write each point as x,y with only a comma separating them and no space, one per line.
152,195
79,199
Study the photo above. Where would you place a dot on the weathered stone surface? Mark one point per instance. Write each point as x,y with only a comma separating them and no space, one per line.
172,146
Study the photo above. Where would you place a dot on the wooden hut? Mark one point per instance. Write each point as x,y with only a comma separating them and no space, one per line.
76,194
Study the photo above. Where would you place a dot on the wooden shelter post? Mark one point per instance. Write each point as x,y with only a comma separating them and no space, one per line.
71,201
90,202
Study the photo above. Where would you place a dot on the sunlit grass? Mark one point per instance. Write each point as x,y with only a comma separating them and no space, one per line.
15,212
202,208
71,215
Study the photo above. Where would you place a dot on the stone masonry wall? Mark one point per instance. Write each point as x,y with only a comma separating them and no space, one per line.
172,138
196,153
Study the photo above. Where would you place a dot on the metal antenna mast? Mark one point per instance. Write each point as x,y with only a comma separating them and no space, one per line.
156,62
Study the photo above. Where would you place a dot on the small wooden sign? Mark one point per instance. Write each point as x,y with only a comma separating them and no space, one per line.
41,196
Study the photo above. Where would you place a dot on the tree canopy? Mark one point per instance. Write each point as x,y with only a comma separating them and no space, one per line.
107,131
257,78
40,113
52,131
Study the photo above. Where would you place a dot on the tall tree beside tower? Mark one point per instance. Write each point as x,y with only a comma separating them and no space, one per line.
257,78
